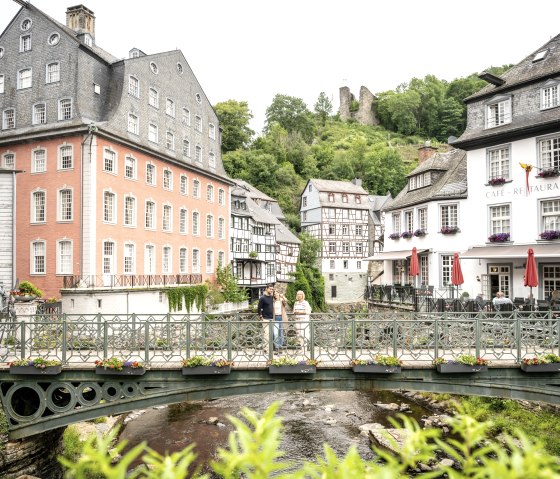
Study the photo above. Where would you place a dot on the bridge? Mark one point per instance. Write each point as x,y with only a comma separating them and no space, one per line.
35,403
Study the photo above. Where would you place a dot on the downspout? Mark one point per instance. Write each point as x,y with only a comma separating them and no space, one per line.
91,130
14,232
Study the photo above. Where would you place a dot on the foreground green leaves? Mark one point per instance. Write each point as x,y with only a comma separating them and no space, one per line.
253,452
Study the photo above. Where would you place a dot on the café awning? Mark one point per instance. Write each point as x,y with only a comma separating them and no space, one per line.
542,250
393,255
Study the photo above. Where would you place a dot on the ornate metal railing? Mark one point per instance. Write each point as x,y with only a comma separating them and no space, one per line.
130,280
330,338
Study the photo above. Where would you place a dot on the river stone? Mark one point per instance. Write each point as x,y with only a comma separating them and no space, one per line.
366,428
447,462
424,467
212,420
306,402
330,421
390,407
380,438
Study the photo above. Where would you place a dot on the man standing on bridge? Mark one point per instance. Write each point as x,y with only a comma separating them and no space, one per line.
265,310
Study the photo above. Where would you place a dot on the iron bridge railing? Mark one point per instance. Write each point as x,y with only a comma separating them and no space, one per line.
333,339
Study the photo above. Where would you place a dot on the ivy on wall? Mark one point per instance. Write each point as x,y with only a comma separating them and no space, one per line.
187,295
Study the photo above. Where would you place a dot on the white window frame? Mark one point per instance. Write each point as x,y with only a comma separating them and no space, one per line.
129,214
195,223
196,260
186,148
221,259
38,214
9,119
186,117
209,226
110,160
65,109
196,188
549,152
198,154
166,260
133,86
210,193
396,220
170,140
153,133
9,160
499,162
550,94
498,111
133,124
449,215
221,228
153,98
39,114
211,160
409,220
212,131
549,214
2,86
499,218
198,123
65,156
446,264
25,80
183,260
39,164
423,219
64,258
183,221
25,43
150,219
108,257
129,258
109,207
151,174
221,196
170,107
52,72
167,179
65,209
149,259
167,218
209,261
130,170
184,185
38,251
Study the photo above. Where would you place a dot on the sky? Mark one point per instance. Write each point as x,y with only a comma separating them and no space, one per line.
251,50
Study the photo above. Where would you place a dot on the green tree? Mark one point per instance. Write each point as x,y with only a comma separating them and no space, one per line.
323,108
292,114
228,285
234,119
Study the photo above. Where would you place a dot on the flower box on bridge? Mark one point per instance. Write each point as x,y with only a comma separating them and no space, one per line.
541,368
455,368
47,371
205,370
125,371
295,369
376,369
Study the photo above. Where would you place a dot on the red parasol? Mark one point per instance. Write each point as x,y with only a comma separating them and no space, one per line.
531,277
414,270
456,273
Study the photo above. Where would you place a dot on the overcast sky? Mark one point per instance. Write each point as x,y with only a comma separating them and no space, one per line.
250,50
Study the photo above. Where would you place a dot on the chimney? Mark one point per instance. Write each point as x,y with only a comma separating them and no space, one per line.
81,19
425,152
357,181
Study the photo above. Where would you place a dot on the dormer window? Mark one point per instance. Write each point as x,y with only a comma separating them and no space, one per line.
540,56
498,111
419,181
358,199
345,198
331,197
549,94
88,40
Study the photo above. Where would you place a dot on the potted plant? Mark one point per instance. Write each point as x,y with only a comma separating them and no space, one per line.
464,363
199,365
120,367
253,254
292,366
548,173
449,230
394,236
26,291
550,235
406,234
544,363
496,181
378,364
420,232
499,237
41,366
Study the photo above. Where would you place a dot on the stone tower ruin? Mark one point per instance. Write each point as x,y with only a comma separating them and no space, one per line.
365,114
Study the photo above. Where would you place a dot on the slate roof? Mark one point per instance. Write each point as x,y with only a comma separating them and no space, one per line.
284,235
253,210
254,192
376,204
324,187
452,182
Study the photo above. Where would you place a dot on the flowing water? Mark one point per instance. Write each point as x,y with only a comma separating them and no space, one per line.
310,419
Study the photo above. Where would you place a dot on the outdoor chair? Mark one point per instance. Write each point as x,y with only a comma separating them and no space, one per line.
543,305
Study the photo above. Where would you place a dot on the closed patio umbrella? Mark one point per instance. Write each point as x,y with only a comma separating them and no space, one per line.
531,278
456,273
414,270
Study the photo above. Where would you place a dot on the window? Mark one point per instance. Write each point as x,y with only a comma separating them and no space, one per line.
500,219
53,73
221,259
408,221
186,148
25,43
150,174
332,264
358,264
498,112
549,95
166,218
54,38
549,151
345,248
210,193
108,257
64,257
186,117
212,131
39,114
134,86
183,261
129,259
153,133
153,98
133,123
397,223
345,198
446,265
359,230
331,197
154,68
358,199
170,107
169,140
209,226
24,79
9,119
209,261
26,24
221,196
1,83
167,180
332,247
196,188
423,219
109,161
345,230
109,207
65,205
183,221
332,229
38,257
198,98
550,215
212,160
130,167
448,216
39,164
65,109
195,223
221,228
198,123
39,205
149,259
166,260
499,163
150,214
129,211
345,264
198,154
359,249
195,261
184,186
304,201
9,161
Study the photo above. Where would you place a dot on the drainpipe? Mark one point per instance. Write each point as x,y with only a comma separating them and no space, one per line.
91,130
14,232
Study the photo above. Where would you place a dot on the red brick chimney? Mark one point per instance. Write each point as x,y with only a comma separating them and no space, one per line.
425,152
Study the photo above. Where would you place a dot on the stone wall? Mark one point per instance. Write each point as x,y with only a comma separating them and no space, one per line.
366,109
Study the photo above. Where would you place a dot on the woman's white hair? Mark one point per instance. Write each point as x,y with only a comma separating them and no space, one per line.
302,294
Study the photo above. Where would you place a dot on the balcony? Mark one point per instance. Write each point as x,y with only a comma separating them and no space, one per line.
127,281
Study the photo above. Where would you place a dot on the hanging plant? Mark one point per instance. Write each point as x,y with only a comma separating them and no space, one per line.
192,295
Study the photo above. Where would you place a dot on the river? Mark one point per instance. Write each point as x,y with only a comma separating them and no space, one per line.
310,419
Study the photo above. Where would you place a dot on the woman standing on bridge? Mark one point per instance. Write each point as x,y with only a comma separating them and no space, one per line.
302,310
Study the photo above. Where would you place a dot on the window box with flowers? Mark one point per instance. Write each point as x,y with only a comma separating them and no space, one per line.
449,230
544,363
407,234
548,173
118,367
292,366
550,235
36,366
499,238
496,181
201,366
395,236
420,232
462,364
379,364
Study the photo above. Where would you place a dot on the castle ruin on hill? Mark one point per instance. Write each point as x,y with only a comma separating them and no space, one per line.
365,114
